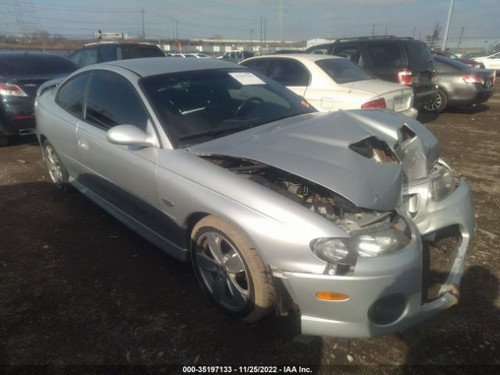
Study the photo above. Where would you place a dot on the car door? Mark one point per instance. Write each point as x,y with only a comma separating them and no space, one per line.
70,100
290,73
122,176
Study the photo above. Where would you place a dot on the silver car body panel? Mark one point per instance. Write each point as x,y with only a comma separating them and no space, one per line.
166,189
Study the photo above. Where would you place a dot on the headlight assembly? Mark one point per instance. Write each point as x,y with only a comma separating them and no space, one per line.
443,183
377,240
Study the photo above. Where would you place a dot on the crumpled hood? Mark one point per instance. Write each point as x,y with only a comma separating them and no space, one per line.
316,147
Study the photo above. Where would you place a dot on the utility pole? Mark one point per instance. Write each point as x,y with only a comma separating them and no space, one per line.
445,39
143,28
373,30
265,30
280,20
261,30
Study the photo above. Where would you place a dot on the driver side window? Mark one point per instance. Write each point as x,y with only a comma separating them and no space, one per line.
112,100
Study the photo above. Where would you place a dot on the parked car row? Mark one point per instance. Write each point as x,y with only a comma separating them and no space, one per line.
439,80
360,80
403,60
331,83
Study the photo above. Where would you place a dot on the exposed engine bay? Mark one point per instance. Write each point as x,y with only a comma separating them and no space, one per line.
317,198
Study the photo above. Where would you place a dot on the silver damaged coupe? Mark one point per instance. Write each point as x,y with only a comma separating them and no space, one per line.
338,215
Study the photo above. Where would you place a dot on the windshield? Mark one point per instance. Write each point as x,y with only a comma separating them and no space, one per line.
194,107
343,70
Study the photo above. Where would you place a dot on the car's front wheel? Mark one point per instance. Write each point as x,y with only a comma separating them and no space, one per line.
57,172
438,103
230,270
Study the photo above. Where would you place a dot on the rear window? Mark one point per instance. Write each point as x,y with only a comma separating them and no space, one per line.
133,51
26,64
259,65
385,54
444,64
343,70
419,53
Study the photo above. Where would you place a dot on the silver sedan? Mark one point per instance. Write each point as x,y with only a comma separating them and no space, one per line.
275,205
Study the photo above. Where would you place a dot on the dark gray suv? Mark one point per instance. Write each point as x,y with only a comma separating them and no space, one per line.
93,53
404,60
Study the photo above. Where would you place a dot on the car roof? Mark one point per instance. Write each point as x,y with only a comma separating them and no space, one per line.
151,66
36,54
299,57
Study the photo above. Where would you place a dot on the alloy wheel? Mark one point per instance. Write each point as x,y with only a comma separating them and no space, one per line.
222,271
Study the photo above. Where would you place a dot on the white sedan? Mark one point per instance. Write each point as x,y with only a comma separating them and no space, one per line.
491,61
331,83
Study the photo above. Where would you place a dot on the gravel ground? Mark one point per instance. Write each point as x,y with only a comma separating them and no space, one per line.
81,293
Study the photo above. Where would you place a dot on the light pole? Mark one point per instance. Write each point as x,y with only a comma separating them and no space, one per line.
447,29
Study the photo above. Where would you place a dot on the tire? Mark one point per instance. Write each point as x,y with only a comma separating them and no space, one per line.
57,172
438,104
231,271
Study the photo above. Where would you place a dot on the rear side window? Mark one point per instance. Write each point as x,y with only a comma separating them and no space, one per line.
385,54
132,51
108,53
288,72
112,100
70,96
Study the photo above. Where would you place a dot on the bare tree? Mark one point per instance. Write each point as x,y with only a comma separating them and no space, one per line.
434,37
40,34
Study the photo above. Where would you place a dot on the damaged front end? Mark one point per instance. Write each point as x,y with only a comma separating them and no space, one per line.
379,178
369,233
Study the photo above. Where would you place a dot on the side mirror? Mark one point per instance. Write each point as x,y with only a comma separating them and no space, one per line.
129,135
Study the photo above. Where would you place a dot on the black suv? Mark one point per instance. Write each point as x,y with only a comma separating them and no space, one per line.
403,60
93,53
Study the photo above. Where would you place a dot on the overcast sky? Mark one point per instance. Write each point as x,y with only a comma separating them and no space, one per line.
256,19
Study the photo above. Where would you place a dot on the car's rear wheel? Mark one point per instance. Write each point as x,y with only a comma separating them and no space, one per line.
438,103
57,171
230,270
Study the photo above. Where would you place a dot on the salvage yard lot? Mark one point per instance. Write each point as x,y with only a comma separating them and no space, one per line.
79,288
